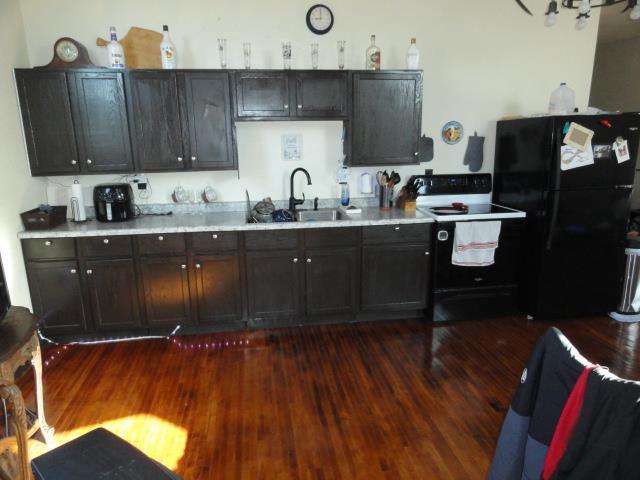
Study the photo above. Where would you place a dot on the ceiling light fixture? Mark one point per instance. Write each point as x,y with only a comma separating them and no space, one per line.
584,10
551,15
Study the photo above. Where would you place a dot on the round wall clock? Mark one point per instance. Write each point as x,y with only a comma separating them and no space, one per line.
69,53
320,19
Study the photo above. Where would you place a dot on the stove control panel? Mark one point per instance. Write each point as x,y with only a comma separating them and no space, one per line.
458,184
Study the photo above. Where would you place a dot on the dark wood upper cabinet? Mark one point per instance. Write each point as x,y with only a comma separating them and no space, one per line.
57,296
331,280
321,94
208,107
166,290
386,118
113,293
154,118
100,120
48,126
395,277
262,94
219,291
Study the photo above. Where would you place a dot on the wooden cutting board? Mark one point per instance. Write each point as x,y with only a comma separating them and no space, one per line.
141,47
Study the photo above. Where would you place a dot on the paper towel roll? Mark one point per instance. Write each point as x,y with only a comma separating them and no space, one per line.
78,210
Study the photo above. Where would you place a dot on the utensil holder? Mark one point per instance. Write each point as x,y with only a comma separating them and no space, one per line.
386,197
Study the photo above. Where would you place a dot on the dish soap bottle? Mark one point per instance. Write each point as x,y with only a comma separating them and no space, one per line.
167,50
372,60
344,194
115,50
562,101
413,56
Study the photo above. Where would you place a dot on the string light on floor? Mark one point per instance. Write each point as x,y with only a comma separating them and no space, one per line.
210,345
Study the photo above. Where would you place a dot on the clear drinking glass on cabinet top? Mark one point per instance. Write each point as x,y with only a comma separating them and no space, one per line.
246,49
341,48
222,51
286,55
314,56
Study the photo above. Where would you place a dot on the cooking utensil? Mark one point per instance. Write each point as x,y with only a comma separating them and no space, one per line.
250,218
382,178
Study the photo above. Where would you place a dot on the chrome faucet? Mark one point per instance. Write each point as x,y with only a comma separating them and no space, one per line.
293,201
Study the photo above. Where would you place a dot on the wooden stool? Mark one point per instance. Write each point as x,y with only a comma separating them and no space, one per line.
19,344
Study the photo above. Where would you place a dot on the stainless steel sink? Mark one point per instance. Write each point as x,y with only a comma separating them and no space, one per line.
323,215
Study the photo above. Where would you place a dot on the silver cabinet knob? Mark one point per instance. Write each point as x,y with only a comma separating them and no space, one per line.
73,271
89,161
308,260
160,238
295,260
214,236
74,162
397,228
415,154
193,158
198,266
299,106
286,105
48,243
105,241
89,272
179,159
478,279
427,253
183,266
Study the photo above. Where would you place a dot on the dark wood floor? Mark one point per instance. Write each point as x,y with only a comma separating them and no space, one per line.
401,400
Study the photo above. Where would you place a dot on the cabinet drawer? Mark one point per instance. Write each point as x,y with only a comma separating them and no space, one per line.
47,248
406,233
161,243
119,246
271,239
330,237
211,242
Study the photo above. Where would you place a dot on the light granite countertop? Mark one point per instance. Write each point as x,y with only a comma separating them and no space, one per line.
222,221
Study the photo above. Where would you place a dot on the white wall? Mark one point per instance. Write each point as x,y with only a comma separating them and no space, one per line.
19,191
482,61
616,68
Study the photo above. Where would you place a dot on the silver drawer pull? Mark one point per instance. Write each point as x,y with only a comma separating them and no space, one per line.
179,159
478,279
198,266
299,106
214,236
286,105
308,260
73,271
427,253
415,154
48,243
397,228
105,241
295,260
89,161
183,266
160,238
74,162
193,159
89,272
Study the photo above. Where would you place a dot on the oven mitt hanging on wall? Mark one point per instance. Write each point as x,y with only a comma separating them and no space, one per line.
474,154
425,149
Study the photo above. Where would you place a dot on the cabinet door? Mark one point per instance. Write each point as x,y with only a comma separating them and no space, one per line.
321,94
219,289
166,290
100,117
48,127
56,293
387,110
154,116
208,107
113,293
273,279
395,277
262,94
332,280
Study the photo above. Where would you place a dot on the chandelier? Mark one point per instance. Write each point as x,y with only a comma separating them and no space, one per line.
584,10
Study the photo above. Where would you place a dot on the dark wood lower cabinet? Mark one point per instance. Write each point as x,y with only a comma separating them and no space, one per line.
166,290
219,290
273,284
113,293
57,296
395,277
331,280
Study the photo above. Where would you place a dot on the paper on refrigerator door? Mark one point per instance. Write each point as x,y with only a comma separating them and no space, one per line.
571,157
621,147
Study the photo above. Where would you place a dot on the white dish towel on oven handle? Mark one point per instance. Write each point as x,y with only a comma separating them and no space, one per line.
475,243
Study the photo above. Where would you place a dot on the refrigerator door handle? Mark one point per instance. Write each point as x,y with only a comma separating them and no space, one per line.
554,219
623,187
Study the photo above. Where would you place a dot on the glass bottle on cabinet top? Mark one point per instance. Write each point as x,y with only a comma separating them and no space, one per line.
413,56
372,58
115,50
167,50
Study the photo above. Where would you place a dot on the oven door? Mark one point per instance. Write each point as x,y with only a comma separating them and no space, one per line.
503,272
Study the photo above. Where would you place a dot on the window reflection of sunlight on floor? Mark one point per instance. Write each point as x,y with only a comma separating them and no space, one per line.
161,440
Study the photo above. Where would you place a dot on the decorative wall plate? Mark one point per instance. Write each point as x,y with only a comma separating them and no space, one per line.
452,132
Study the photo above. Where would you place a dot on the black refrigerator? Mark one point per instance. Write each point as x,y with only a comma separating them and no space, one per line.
572,258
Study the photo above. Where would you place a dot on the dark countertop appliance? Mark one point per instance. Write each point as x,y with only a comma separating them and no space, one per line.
576,218
113,202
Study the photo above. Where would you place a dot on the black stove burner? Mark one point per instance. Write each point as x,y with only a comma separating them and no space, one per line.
474,209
